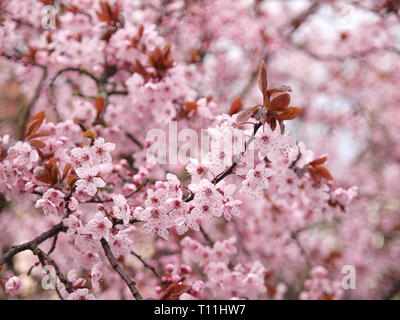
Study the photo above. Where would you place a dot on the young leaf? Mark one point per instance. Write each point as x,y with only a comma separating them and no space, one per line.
280,102
43,176
279,89
34,124
247,114
189,106
37,143
174,291
65,171
318,161
39,135
323,172
272,124
99,104
236,106
289,113
262,79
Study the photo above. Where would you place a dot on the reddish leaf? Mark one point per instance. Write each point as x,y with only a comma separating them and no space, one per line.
105,14
246,114
236,106
45,156
271,289
318,161
273,124
71,8
289,113
138,68
54,172
34,124
71,179
280,102
314,175
167,50
174,291
39,135
115,11
160,60
43,176
65,171
323,172
3,153
37,143
189,106
279,89
262,79
99,104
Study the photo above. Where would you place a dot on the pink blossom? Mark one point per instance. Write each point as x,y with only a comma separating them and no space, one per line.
99,227
121,208
24,157
52,202
81,294
13,286
88,181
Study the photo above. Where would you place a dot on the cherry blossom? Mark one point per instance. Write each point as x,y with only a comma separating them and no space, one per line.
13,286
99,227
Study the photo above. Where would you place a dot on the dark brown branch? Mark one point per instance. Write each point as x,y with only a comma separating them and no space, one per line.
115,92
53,245
59,73
302,250
34,99
152,269
128,196
30,245
43,256
79,70
228,171
114,263
206,236
301,18
134,140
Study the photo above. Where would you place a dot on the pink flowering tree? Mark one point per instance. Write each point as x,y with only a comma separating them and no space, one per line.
179,149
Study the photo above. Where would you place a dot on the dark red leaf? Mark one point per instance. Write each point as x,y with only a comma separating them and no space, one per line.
280,102
174,291
262,78
236,106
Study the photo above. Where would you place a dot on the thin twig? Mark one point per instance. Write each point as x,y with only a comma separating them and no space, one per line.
134,140
228,171
302,250
34,99
43,256
152,269
33,243
114,263
206,236
128,196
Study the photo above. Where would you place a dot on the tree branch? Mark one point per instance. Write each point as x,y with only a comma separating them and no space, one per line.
302,250
43,256
30,245
152,269
114,263
34,99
